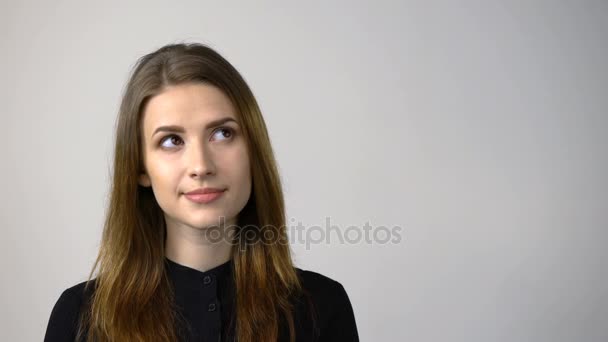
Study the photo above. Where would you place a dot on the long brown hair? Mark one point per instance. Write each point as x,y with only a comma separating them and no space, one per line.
133,299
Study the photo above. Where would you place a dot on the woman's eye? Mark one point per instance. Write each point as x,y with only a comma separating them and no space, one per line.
223,133
170,138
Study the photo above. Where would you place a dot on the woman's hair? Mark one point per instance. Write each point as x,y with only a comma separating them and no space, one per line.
133,299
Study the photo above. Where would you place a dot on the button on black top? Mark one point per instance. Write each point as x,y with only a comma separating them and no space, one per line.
324,297
209,302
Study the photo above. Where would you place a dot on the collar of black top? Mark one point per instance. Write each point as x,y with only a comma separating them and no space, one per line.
220,271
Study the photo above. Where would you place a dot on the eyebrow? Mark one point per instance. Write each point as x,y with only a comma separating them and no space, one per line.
180,129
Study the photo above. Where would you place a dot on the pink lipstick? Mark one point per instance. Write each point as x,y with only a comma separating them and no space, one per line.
205,195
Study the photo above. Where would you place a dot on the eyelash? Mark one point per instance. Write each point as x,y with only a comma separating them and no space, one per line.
228,129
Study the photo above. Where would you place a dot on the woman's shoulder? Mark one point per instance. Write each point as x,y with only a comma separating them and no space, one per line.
63,321
332,306
73,297
320,284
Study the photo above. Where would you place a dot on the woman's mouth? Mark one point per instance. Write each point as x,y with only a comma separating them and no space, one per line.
207,197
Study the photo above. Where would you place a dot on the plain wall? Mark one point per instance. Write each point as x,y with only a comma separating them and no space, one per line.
477,127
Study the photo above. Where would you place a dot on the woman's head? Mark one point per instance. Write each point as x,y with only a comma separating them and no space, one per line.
191,139
191,86
169,142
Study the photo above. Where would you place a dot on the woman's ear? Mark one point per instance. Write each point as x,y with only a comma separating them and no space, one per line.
144,180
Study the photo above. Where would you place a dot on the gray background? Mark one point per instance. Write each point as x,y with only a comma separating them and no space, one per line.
477,127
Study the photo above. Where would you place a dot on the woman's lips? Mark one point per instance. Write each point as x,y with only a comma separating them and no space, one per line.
204,198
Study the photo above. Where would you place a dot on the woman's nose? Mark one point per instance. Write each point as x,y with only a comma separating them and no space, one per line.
200,161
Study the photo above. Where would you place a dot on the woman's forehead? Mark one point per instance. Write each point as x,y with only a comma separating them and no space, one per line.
188,105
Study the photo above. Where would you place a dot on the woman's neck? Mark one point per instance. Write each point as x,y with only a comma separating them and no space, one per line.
197,248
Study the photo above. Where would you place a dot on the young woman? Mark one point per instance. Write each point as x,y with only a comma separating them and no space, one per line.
194,246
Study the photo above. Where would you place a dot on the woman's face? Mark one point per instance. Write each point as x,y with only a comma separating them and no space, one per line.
203,148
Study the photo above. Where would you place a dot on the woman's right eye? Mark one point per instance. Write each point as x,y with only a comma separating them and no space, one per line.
169,138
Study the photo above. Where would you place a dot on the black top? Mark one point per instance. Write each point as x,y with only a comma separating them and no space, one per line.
205,300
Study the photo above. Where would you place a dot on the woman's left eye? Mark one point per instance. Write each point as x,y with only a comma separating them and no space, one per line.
171,138
223,133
